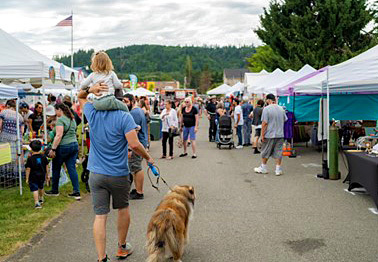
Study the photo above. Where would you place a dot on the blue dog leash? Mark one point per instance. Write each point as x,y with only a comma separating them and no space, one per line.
155,170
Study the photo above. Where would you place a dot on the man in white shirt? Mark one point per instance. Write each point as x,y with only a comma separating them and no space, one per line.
238,118
272,134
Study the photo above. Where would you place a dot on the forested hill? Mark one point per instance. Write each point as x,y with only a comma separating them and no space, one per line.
149,61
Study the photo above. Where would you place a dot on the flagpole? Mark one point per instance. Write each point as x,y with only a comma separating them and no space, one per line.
72,40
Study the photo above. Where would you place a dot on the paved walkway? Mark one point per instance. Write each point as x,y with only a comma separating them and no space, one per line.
239,215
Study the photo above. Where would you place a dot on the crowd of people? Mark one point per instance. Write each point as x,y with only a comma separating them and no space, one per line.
119,140
268,122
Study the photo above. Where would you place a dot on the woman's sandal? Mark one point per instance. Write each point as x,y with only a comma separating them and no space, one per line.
194,156
184,154
170,158
162,157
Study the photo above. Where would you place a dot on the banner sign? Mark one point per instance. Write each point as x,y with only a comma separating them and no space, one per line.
151,86
52,74
62,72
5,153
134,81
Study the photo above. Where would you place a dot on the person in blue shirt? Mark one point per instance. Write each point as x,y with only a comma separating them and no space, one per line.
112,133
247,122
135,161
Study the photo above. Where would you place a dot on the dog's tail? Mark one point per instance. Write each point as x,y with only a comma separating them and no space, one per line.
163,233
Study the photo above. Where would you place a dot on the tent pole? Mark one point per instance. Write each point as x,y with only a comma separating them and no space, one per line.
44,114
72,39
324,173
82,133
18,145
328,117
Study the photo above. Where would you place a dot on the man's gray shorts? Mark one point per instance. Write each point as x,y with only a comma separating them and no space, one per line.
104,186
135,163
272,147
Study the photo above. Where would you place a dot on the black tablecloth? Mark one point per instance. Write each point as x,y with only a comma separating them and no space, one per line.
363,171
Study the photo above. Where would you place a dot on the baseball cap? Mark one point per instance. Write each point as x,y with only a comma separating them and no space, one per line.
24,105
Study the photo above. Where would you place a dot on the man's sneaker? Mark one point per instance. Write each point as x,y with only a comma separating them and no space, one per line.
136,196
51,193
239,147
278,172
75,195
124,251
38,205
261,170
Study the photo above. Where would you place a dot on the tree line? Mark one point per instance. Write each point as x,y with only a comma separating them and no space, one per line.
200,66
314,32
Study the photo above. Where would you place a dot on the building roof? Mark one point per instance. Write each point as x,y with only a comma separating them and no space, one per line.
235,73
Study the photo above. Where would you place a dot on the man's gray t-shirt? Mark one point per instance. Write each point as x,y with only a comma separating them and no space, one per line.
275,116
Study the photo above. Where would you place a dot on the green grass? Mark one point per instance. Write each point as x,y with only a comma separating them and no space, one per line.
20,221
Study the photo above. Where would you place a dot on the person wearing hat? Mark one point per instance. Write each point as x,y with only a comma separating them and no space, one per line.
210,112
272,135
25,112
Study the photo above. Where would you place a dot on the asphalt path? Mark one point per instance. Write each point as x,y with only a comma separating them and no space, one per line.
239,215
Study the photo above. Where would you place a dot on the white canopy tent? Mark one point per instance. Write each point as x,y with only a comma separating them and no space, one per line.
263,78
9,92
141,92
21,63
304,71
251,78
220,90
238,87
270,83
359,73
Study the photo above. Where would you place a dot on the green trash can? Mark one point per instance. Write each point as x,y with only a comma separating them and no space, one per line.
155,128
334,173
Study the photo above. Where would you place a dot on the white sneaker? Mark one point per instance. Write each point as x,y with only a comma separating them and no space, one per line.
278,172
261,170
239,147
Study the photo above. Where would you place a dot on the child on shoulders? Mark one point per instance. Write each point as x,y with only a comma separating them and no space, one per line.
102,68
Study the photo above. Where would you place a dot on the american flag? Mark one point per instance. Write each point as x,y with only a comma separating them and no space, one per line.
66,22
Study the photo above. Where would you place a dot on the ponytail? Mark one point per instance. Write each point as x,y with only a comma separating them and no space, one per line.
66,110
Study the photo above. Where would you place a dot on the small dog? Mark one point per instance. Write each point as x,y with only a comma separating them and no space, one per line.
167,232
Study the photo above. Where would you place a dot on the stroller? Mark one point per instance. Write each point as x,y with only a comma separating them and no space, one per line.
225,132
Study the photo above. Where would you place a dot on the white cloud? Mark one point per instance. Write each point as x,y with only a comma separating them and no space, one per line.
102,24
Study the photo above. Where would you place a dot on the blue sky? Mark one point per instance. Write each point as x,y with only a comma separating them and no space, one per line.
102,24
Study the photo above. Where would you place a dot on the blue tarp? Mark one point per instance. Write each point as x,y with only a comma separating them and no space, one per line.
342,107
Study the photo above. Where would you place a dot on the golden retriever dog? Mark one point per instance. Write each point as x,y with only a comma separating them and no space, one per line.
167,232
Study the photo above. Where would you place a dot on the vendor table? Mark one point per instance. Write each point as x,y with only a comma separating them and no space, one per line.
363,171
